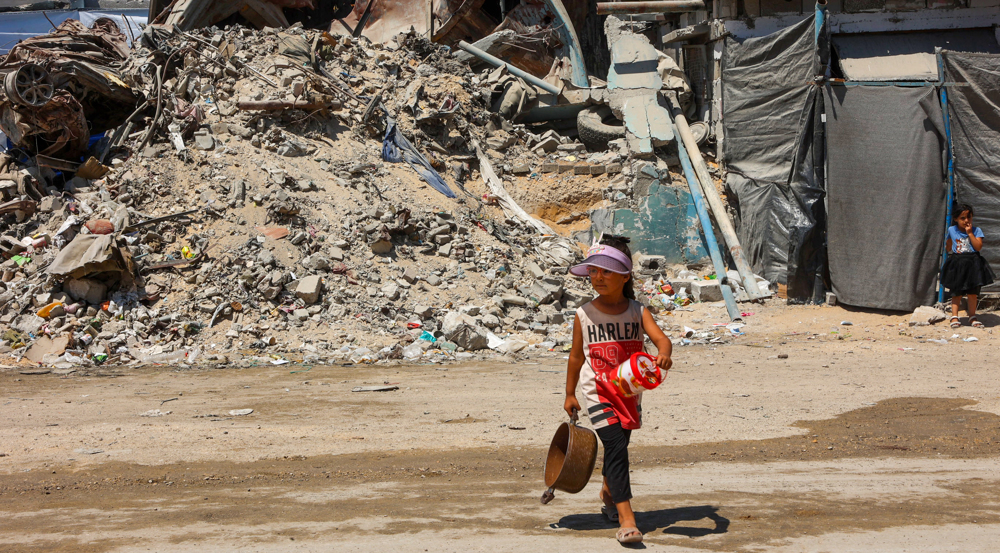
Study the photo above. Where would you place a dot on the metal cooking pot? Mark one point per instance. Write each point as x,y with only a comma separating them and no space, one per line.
571,459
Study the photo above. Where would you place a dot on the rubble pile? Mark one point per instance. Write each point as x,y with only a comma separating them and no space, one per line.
295,196
247,215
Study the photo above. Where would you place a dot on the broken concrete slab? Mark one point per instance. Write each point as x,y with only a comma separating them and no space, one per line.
647,124
926,315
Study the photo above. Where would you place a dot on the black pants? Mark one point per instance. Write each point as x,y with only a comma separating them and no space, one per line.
615,440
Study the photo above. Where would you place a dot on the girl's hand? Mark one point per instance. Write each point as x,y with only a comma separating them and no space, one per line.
570,405
664,362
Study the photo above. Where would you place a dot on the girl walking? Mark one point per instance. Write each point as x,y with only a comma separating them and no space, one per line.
606,332
965,271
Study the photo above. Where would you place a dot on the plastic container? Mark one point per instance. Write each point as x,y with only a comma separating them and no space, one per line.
637,374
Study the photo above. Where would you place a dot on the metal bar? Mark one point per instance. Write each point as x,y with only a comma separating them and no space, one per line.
514,70
573,44
712,245
667,6
951,174
364,19
715,203
155,220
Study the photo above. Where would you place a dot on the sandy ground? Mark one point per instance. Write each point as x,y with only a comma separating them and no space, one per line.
865,438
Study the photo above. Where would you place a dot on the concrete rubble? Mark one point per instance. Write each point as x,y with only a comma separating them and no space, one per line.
246,213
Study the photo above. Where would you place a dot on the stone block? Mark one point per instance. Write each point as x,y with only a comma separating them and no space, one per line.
582,169
550,167
706,290
309,288
597,169
566,168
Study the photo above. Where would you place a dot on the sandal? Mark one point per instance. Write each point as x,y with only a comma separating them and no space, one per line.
629,535
610,512
955,323
975,322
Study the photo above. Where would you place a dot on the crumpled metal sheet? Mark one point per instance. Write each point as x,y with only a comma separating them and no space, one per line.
90,97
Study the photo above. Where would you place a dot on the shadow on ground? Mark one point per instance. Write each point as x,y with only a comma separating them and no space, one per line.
651,521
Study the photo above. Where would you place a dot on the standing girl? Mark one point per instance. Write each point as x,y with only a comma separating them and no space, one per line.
606,332
965,271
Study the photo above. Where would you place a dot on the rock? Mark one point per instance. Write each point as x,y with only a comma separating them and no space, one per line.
423,311
240,131
433,280
706,290
490,321
522,169
50,204
390,290
548,145
514,300
204,141
336,254
265,258
464,331
316,262
381,246
86,289
535,270
575,298
410,275
300,314
926,315
572,147
309,289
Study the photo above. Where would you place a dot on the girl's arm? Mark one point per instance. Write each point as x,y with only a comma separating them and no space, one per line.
977,242
576,360
663,346
947,246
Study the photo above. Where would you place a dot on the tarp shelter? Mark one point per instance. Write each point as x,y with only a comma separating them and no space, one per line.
773,168
15,26
857,202
974,120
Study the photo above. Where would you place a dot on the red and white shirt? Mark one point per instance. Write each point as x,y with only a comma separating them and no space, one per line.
608,341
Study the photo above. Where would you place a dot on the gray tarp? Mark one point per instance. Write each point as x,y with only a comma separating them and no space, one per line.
974,109
773,170
886,194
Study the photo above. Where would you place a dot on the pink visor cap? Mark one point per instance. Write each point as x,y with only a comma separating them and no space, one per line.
604,257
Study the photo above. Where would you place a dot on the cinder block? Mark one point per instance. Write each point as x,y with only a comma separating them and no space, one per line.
706,290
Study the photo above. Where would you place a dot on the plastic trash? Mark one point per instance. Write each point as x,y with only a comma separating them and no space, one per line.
413,351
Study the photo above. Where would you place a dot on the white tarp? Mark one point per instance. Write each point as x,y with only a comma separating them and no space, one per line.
15,26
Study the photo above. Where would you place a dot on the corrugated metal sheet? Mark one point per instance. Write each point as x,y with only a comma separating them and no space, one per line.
905,56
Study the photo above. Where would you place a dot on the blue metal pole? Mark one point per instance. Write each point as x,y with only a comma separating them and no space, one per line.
706,227
951,173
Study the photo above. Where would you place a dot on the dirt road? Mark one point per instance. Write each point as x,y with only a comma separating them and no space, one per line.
866,438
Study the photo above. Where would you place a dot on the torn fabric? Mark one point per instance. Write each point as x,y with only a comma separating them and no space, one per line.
396,148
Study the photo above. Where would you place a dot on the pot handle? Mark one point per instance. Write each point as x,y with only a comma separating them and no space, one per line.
575,417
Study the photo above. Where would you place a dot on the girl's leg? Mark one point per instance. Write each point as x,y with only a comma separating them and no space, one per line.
616,477
956,303
973,303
